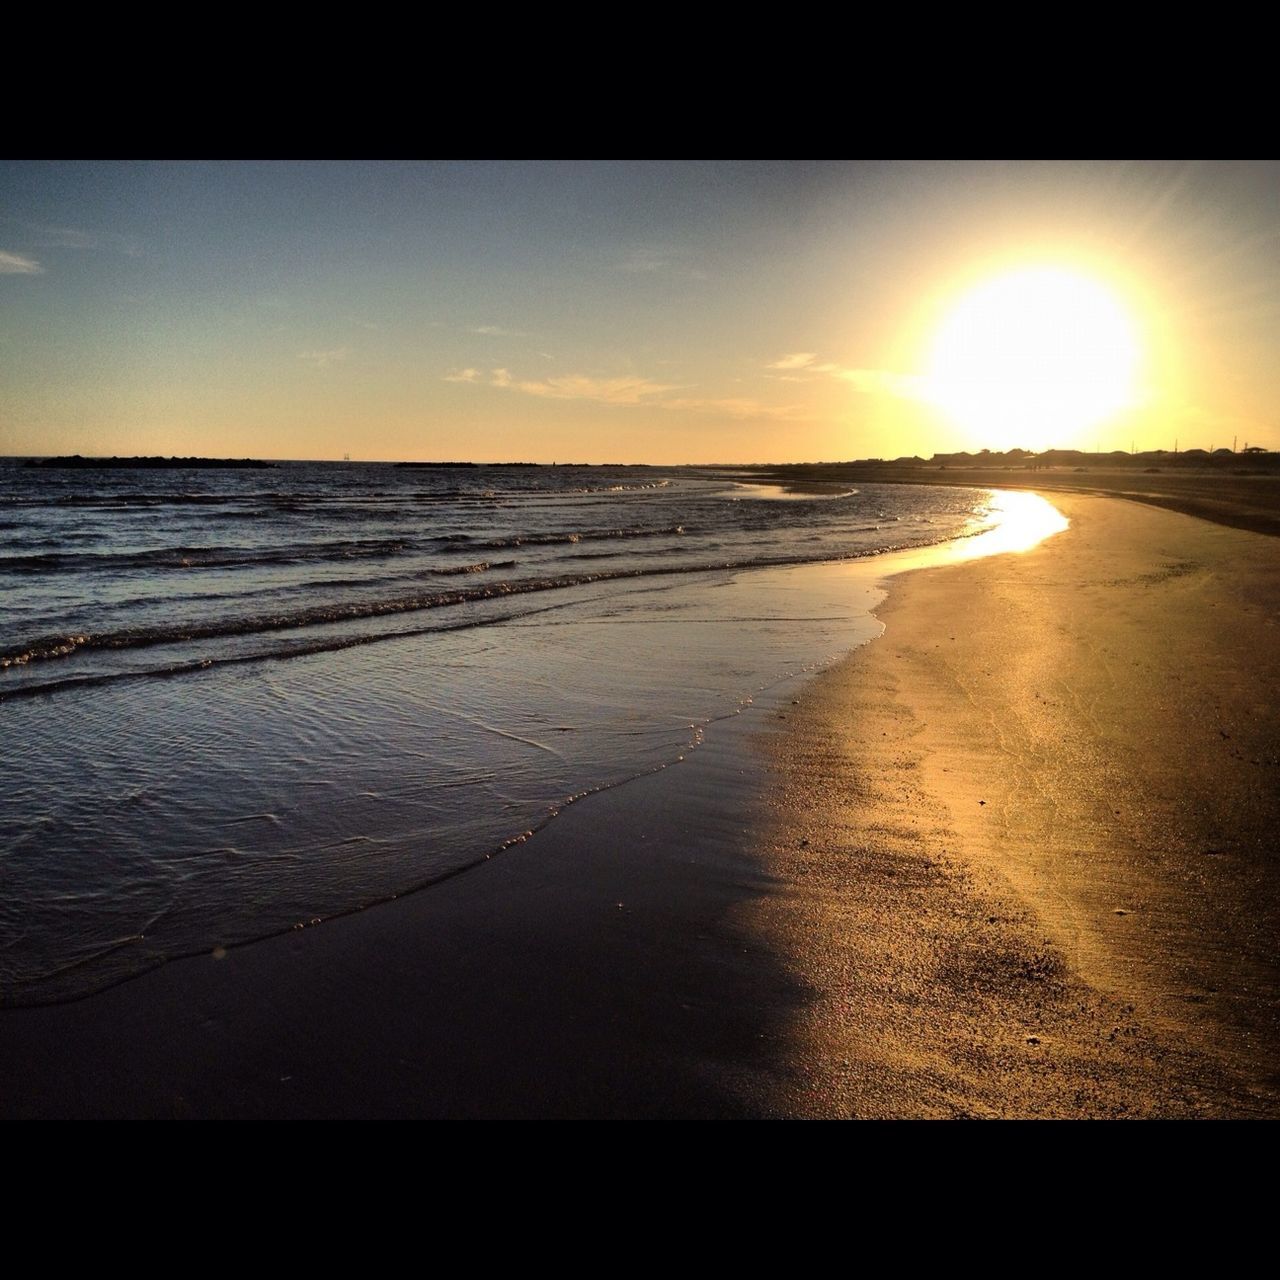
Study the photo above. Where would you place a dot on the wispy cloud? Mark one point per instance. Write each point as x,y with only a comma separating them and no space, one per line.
15,264
801,365
495,331
737,407
796,360
575,386
643,260
624,390
907,385
652,259
322,359
45,236
627,390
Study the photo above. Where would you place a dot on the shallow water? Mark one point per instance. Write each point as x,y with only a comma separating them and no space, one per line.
305,718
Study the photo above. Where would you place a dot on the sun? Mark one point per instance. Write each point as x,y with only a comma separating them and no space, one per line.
1033,358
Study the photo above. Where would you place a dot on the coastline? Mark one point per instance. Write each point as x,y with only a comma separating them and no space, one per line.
838,935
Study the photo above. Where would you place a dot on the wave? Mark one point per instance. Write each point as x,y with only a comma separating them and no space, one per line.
184,557
560,538
224,557
52,647
264,502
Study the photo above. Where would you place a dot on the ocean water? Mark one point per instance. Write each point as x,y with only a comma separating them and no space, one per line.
238,702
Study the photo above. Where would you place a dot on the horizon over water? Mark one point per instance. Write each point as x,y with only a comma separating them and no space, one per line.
236,702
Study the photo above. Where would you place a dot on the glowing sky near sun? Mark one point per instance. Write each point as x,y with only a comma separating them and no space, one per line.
684,312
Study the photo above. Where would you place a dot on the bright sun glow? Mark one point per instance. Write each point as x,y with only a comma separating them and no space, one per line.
1032,358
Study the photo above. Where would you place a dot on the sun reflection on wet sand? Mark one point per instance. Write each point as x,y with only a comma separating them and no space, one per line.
1022,521
1011,521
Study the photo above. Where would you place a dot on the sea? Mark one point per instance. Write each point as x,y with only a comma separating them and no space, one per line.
238,702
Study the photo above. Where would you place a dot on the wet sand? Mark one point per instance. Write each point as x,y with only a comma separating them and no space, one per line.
605,968
1014,858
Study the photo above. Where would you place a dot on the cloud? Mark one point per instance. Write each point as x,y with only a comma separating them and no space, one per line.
870,381
640,261
45,236
14,264
495,331
322,359
652,259
908,386
629,390
625,390
737,407
633,390
803,362
796,360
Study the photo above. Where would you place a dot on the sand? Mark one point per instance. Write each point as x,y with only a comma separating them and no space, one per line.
1012,859
1032,834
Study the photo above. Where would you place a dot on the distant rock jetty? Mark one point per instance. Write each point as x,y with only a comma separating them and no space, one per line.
77,463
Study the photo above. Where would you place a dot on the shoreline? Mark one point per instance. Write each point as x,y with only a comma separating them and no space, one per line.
1246,499
601,969
845,939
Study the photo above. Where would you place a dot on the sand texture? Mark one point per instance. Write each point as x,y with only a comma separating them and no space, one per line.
1031,834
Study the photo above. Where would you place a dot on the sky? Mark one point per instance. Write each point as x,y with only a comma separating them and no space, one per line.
690,312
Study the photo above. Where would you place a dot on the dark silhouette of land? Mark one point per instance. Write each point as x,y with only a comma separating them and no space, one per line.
78,463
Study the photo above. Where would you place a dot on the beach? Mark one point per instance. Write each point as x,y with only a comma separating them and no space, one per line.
1012,858
1041,881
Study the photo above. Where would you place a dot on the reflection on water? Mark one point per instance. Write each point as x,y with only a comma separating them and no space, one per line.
1022,521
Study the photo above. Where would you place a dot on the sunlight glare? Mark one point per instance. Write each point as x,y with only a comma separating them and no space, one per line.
1033,357
1014,521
